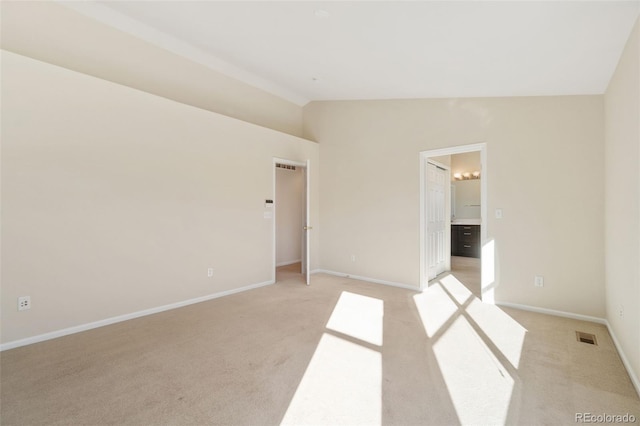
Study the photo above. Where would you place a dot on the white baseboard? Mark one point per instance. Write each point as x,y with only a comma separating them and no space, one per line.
125,317
625,361
372,280
553,312
288,262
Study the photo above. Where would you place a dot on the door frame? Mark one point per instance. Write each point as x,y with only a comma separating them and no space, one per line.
424,158
305,165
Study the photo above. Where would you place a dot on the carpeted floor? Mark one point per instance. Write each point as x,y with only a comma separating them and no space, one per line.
468,271
338,352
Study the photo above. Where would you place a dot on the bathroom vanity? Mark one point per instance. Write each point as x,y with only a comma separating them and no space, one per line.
465,238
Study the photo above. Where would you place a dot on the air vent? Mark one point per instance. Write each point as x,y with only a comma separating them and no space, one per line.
586,338
286,166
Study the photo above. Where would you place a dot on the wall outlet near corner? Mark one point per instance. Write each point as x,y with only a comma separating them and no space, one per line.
209,272
621,311
538,281
353,257
24,303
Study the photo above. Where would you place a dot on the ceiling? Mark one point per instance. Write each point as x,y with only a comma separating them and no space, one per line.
306,51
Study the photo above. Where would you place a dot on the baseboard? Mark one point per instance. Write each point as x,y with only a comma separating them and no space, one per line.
625,361
288,262
125,317
372,280
553,312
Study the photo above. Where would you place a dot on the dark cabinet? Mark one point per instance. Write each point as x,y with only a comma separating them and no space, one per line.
465,240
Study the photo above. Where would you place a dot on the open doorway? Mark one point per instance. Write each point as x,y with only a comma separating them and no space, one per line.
453,215
291,204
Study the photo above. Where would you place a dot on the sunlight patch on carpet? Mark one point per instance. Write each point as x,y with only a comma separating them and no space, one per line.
507,334
458,290
358,316
435,307
479,386
341,386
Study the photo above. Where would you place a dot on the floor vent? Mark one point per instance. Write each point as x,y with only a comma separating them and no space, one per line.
586,338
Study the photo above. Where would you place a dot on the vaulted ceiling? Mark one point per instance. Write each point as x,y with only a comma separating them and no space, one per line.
307,50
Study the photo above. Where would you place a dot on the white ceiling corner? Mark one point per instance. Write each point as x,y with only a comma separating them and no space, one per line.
389,49
143,31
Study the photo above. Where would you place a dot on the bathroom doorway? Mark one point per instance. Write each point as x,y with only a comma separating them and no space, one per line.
462,205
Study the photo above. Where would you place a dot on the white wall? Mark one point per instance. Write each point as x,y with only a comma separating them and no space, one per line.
289,215
622,201
467,199
53,33
467,192
115,200
465,162
544,157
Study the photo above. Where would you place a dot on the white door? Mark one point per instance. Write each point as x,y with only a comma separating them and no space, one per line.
306,255
436,222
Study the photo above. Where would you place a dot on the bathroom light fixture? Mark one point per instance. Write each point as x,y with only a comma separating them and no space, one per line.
466,175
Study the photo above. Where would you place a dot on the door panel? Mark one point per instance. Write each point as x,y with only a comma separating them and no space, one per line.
436,222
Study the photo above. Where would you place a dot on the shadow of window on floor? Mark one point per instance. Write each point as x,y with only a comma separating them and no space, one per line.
477,346
343,381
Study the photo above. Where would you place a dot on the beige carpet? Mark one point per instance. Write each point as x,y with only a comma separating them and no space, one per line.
468,271
338,352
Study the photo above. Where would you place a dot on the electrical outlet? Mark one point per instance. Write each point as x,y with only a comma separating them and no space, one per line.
209,272
24,303
538,281
353,257
621,311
